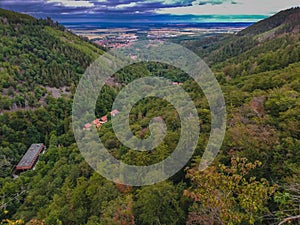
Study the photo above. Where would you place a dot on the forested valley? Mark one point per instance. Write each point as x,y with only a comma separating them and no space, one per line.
255,178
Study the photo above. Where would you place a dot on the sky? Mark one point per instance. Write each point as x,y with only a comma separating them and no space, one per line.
148,10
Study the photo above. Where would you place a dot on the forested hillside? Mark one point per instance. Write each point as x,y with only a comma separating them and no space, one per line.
279,32
40,61
254,180
35,54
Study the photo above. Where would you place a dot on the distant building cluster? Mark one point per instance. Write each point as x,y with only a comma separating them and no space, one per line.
113,41
99,122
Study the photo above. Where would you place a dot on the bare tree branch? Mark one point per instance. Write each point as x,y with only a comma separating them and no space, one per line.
4,204
289,219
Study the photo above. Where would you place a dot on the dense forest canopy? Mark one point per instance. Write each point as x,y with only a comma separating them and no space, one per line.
36,54
254,180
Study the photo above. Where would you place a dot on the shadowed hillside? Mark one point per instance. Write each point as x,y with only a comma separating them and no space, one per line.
283,22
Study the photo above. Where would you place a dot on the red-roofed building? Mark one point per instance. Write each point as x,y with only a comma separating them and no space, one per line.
177,83
114,112
97,123
87,126
103,119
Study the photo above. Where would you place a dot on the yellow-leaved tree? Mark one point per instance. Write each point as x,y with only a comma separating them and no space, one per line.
227,194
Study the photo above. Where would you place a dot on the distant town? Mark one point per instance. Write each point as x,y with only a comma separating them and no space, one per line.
121,37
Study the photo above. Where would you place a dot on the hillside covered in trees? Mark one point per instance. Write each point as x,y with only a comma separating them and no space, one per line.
253,180
36,54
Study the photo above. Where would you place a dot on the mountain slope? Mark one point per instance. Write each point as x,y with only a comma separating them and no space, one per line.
257,48
261,86
36,53
15,17
267,36
283,22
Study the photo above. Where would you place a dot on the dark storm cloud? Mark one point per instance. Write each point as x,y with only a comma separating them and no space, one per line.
58,7
40,8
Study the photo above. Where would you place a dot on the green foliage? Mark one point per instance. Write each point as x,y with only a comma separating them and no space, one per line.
38,53
259,76
158,204
227,195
